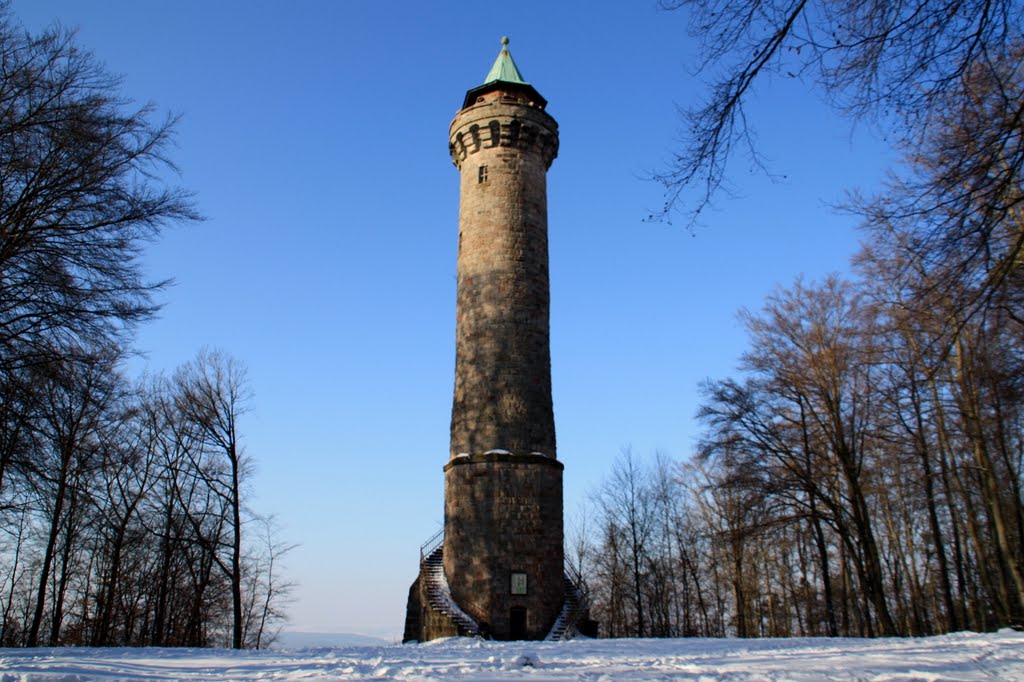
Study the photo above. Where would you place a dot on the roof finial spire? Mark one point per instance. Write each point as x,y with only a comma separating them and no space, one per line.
504,68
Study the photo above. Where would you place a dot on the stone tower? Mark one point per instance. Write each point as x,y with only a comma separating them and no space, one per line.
498,571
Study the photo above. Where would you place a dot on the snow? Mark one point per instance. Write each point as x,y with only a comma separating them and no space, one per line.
436,575
960,656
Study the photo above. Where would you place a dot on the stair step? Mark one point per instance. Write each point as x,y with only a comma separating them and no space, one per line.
433,572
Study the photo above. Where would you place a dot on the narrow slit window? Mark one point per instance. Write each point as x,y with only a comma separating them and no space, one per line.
482,174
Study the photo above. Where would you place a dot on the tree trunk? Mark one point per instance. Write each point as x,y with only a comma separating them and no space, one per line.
236,553
51,546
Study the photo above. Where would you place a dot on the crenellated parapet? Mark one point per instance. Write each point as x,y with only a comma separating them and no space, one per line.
494,124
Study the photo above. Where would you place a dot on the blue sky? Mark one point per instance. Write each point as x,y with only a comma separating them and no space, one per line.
315,137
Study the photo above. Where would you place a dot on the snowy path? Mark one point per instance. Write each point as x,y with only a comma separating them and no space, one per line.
963,656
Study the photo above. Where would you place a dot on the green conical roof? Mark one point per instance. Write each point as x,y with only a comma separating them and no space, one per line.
505,76
504,68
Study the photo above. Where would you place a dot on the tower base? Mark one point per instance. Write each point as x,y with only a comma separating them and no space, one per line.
503,541
432,613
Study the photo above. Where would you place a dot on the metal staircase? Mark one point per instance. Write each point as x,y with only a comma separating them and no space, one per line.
439,595
575,605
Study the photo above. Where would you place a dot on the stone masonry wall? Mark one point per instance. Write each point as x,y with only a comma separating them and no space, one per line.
503,514
503,365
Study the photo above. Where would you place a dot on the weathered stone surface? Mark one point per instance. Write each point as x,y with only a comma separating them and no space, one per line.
502,352
503,514
413,613
422,622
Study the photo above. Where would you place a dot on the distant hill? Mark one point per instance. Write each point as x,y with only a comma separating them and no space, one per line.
309,640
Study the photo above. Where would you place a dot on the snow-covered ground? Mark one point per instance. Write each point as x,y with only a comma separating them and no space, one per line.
962,656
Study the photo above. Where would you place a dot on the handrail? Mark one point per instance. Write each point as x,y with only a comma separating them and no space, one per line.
576,578
428,547
582,605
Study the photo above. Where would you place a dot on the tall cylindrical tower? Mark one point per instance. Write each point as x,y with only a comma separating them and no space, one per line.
503,554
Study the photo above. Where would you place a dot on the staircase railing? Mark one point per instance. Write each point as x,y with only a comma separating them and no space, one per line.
436,585
573,574
581,607
569,619
428,547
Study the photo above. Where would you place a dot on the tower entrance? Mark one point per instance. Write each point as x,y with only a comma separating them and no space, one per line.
517,623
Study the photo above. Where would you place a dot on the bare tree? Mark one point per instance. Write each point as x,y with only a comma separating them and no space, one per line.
625,502
949,230
121,507
212,393
266,591
852,426
81,189
899,65
124,478
74,400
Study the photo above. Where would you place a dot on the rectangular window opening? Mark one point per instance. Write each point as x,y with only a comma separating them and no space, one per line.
518,582
482,174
